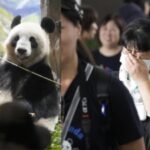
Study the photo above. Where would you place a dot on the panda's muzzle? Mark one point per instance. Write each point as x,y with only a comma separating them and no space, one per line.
21,51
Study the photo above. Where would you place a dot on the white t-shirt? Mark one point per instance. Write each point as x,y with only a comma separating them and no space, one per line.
133,87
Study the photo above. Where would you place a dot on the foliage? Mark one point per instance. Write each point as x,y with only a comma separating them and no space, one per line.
92,44
56,138
5,18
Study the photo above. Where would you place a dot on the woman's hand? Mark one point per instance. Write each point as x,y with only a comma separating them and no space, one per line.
139,72
136,68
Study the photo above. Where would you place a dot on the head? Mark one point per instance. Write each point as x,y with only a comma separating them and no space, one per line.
136,38
89,23
110,30
70,28
27,43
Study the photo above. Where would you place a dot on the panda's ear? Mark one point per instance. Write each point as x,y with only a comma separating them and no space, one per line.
16,21
48,24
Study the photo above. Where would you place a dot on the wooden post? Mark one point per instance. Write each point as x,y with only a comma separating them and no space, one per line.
52,8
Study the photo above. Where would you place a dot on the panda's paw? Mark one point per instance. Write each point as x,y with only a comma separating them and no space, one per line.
48,123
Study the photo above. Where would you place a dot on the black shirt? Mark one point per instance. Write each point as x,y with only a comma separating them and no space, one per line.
124,125
109,64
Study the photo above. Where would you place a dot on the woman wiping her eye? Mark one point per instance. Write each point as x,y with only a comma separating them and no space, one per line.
134,71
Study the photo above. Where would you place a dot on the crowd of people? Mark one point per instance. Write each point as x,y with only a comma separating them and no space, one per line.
105,91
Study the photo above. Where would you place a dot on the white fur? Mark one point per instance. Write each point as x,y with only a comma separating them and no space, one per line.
5,96
48,123
24,43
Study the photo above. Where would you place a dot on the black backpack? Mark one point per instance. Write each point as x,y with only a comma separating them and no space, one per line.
102,81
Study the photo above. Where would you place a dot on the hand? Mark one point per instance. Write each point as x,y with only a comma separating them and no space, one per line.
136,68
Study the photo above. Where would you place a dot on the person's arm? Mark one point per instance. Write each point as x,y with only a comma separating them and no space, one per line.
139,72
135,145
144,88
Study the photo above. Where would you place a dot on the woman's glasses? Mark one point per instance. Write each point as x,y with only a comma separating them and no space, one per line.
133,51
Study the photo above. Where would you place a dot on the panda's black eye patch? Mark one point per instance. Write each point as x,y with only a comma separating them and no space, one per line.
33,42
14,41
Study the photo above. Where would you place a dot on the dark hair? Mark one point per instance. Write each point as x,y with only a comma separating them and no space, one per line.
116,18
71,10
137,34
89,16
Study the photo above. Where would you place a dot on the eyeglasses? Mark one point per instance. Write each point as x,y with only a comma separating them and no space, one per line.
132,50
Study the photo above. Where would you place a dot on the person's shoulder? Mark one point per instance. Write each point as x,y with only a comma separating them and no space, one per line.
96,71
118,90
100,73
114,85
100,79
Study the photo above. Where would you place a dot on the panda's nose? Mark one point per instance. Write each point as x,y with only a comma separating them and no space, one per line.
21,51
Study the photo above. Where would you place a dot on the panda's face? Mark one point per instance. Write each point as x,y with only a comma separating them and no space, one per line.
24,46
27,43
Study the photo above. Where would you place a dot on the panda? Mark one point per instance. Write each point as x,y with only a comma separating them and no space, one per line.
28,46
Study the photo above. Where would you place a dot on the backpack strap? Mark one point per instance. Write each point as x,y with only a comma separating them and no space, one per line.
75,101
102,89
101,81
85,120
70,114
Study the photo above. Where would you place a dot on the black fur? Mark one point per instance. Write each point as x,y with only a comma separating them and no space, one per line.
40,94
11,146
17,129
14,41
16,21
34,43
48,24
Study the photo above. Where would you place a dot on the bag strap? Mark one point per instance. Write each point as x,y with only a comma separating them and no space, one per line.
101,81
75,101
86,121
